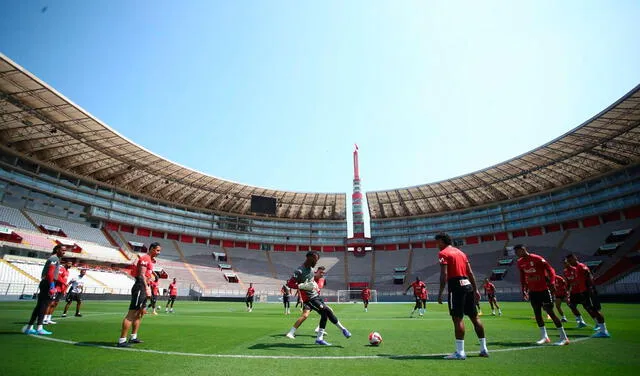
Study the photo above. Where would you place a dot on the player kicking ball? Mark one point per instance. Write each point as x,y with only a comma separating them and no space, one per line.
303,280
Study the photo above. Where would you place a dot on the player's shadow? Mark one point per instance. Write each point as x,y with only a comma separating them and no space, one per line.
513,344
8,333
284,345
95,344
297,335
413,357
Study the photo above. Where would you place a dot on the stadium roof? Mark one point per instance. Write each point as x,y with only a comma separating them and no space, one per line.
39,123
606,142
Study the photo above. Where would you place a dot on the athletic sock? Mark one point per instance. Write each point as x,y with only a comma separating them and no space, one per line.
40,327
339,325
320,336
134,336
30,327
603,327
563,334
543,332
483,344
122,340
292,331
460,346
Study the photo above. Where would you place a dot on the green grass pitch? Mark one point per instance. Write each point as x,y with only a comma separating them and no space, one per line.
199,338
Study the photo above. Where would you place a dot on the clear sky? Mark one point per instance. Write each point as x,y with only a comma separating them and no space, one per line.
275,93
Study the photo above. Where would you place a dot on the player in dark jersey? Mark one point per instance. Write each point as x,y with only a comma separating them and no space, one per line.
143,274
418,288
303,280
456,273
173,294
47,291
366,295
248,299
583,291
537,279
490,292
318,277
286,293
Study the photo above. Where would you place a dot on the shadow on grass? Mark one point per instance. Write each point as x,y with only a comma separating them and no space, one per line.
94,344
283,345
414,357
297,335
8,333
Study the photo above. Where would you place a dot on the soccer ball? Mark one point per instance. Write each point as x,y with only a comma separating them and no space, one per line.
375,338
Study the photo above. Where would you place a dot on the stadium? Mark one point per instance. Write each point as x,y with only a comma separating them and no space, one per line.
69,179
230,253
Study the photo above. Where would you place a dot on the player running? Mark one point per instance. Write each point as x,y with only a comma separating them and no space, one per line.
173,294
583,291
318,277
560,295
142,273
366,295
248,299
286,293
490,293
47,291
456,273
303,280
537,279
418,287
76,287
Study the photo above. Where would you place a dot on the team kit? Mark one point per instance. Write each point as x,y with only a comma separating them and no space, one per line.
540,285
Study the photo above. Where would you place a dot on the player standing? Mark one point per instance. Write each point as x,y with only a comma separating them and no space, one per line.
47,291
537,279
490,292
61,288
318,277
286,292
366,295
248,299
583,291
173,294
154,293
418,286
143,273
76,287
303,280
456,273
560,295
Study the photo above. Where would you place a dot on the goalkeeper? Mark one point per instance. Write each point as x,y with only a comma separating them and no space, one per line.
303,280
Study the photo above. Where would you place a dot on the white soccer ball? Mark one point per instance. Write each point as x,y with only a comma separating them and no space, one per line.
375,338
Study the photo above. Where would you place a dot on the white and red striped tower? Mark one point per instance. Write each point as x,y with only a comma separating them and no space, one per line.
356,199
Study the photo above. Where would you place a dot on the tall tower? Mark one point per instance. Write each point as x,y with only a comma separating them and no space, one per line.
356,199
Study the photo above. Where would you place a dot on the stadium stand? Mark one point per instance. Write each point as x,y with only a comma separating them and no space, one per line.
14,218
359,267
71,229
386,261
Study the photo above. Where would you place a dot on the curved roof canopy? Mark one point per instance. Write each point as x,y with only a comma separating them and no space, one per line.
606,142
38,122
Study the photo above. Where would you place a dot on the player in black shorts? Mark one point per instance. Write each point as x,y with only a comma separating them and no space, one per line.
286,292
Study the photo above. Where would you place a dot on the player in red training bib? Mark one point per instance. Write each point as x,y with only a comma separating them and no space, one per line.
318,277
366,295
561,295
248,298
173,294
490,292
456,273
583,291
537,279
419,290
61,288
143,274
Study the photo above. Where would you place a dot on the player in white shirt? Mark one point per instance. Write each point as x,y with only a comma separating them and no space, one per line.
76,287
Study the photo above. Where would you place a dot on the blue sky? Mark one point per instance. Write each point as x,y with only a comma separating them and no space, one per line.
275,93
